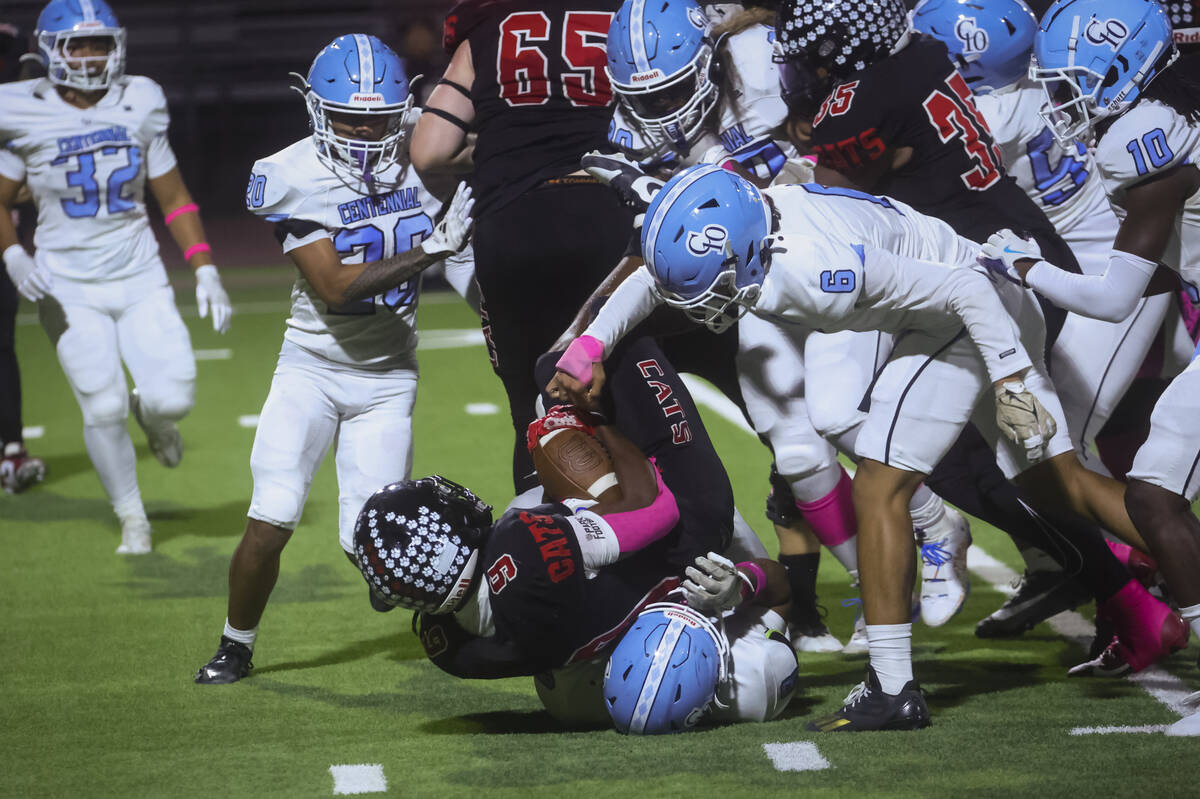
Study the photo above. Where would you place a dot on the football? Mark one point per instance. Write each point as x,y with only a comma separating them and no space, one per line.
573,464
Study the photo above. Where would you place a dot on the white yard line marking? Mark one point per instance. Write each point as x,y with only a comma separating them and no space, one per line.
220,354
364,778
33,431
1156,681
796,756
482,408
450,339
249,421
1144,728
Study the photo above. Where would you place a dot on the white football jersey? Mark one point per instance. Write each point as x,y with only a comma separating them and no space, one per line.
1150,138
87,169
749,106
1062,181
307,202
845,260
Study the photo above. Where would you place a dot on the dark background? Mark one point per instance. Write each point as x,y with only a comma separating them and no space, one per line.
224,66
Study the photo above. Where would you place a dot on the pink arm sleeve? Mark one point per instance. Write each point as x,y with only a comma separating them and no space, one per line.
637,529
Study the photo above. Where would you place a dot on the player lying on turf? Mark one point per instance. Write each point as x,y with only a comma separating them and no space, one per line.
89,140
797,256
360,227
1119,86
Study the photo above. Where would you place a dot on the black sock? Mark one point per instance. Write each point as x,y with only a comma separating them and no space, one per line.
802,577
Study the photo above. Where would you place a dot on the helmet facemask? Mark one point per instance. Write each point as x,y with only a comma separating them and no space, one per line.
356,159
723,303
671,112
85,73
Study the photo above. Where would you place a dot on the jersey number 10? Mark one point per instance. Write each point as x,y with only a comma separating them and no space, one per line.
523,70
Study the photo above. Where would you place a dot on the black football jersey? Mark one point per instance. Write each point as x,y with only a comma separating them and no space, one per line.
547,612
541,95
916,98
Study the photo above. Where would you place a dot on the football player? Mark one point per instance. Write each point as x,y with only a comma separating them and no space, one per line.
527,76
795,255
89,140
360,226
888,111
18,469
1109,71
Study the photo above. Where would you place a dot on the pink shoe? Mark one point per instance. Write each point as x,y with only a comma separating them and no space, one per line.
1146,631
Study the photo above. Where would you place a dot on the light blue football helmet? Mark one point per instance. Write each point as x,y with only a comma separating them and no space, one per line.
702,241
60,22
992,39
1095,57
357,74
666,671
659,63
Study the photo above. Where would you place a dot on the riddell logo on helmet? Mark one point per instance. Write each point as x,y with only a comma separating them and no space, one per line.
642,77
366,98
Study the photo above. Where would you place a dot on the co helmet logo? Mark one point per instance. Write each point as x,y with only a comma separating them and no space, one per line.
712,237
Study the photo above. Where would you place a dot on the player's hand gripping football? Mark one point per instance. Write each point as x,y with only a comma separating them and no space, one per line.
33,281
713,584
210,295
580,375
634,186
1002,251
1022,418
451,234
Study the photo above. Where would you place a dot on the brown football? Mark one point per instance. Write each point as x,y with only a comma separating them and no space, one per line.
574,465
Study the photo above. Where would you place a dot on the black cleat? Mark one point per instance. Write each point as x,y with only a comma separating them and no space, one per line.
869,708
230,664
1039,595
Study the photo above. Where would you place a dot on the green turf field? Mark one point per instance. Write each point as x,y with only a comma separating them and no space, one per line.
96,697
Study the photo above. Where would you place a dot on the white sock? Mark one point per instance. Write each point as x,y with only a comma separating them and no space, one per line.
890,648
241,636
111,451
1191,614
847,555
926,509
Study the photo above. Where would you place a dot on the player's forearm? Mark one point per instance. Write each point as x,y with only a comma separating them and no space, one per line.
624,269
630,302
8,233
633,472
357,282
777,591
188,232
1110,297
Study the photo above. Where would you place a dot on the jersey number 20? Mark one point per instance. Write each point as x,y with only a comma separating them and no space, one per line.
523,69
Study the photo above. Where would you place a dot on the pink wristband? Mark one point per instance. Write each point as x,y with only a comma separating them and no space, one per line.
195,248
190,208
759,577
581,353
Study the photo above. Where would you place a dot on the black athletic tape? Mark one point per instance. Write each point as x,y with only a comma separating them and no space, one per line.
463,90
446,115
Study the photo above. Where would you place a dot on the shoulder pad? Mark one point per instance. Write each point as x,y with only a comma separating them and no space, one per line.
271,192
461,20
813,276
1139,143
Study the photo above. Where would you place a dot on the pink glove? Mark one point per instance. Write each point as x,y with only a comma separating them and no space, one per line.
581,353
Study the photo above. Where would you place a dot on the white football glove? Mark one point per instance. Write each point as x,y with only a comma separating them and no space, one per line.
634,186
713,585
1003,249
33,281
451,234
1023,419
210,294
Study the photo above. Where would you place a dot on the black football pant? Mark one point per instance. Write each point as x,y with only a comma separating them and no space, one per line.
537,260
10,375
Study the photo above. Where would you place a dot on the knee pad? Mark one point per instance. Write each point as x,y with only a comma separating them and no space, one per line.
279,493
169,399
781,503
109,406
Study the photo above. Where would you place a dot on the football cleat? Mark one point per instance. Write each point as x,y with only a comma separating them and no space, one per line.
1038,596
945,581
163,437
1188,726
1146,631
18,470
135,536
230,664
813,638
869,708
